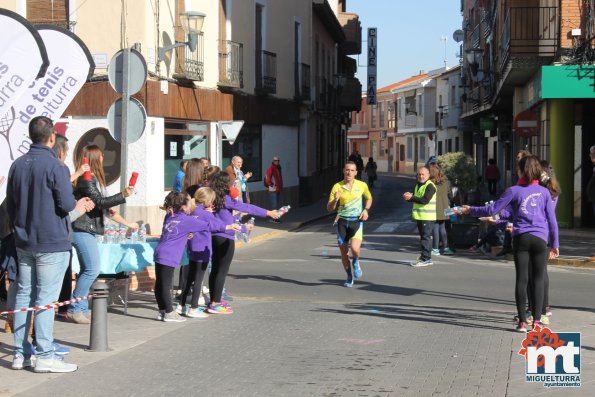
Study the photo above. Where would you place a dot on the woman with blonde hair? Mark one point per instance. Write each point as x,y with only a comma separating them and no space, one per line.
91,224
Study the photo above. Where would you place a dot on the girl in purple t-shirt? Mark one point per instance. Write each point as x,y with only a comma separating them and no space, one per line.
177,226
534,222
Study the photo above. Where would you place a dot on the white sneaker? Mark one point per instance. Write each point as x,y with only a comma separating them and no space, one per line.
196,313
20,362
181,309
421,263
54,366
201,301
173,317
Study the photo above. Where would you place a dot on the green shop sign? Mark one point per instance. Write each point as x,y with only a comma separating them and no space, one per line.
486,123
568,81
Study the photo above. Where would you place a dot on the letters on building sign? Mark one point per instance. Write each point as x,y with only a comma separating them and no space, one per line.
372,58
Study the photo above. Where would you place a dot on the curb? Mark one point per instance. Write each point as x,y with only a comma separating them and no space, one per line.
583,262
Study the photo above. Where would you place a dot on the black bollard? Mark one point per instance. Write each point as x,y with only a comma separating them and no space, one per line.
98,337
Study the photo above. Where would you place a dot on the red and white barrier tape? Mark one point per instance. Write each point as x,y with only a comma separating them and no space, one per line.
51,306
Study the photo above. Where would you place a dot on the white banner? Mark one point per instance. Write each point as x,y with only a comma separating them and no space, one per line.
70,65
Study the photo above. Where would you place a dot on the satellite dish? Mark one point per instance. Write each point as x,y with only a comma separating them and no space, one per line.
458,35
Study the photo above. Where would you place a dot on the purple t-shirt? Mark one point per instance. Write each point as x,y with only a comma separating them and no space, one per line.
200,247
225,214
532,208
174,237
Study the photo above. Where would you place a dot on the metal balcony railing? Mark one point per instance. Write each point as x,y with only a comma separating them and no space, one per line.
266,72
475,36
190,64
231,64
302,81
529,31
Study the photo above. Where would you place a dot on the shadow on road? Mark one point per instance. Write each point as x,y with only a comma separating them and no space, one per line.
468,318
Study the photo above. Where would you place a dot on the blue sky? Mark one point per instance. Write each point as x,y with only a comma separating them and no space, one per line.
409,33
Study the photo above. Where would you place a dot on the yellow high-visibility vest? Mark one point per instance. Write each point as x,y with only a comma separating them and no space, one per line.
424,212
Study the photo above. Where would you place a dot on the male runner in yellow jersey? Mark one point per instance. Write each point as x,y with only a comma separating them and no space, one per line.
348,194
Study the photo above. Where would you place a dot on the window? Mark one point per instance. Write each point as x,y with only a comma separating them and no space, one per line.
409,148
452,98
391,115
421,105
422,148
449,145
374,149
457,144
373,121
248,145
439,148
398,110
381,105
382,148
362,149
182,144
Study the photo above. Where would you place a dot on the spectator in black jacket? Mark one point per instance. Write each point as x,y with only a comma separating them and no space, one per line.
89,225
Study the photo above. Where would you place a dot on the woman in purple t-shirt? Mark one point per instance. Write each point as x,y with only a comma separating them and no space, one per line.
534,221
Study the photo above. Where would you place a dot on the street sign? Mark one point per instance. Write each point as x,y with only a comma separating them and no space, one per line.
526,124
135,75
136,120
231,129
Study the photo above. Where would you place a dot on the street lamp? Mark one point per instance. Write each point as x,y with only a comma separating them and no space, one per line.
474,55
191,22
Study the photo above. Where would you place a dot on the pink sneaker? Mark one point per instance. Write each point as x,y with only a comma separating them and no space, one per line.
473,249
219,309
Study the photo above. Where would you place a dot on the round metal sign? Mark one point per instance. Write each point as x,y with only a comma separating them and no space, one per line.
135,126
135,75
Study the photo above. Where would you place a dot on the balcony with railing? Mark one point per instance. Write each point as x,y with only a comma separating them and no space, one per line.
352,29
266,72
529,32
190,65
350,94
302,81
231,64
475,36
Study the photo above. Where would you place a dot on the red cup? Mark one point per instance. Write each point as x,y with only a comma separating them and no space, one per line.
87,174
234,192
133,179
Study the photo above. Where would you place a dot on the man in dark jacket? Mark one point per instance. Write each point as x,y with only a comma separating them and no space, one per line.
39,197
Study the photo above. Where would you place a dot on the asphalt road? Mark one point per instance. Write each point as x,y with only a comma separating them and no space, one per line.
400,331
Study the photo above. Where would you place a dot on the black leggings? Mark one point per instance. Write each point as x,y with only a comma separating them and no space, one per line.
530,256
164,276
196,273
223,250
